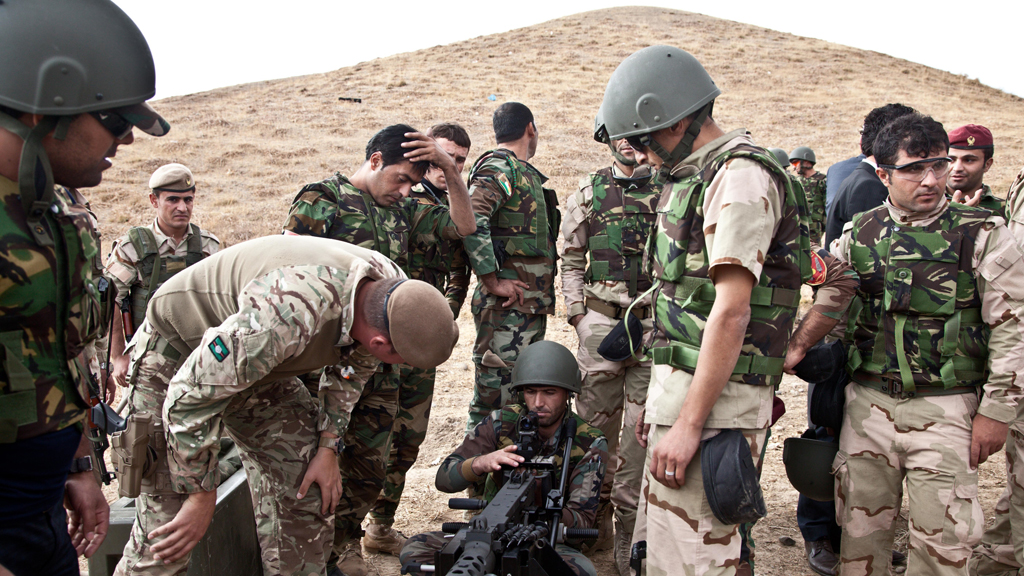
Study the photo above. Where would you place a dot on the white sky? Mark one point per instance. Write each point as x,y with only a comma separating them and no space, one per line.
203,44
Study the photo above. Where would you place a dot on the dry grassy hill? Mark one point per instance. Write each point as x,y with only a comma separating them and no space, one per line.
252,146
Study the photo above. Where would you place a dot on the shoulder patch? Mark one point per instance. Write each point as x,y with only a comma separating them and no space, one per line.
819,271
219,350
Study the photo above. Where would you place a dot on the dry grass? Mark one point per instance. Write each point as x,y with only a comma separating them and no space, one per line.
251,147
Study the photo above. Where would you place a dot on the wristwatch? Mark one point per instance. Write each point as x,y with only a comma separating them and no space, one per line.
332,443
83,464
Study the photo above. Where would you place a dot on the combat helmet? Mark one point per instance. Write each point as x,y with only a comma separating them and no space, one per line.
63,58
780,156
808,464
803,153
546,363
653,89
601,135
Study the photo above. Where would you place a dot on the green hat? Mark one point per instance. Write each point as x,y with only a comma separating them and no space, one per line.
546,363
780,156
803,153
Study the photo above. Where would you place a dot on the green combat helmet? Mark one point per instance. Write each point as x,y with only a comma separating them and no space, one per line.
803,153
653,89
63,58
546,363
780,156
601,135
808,464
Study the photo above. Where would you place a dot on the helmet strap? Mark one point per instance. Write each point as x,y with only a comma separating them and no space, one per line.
35,177
620,158
685,146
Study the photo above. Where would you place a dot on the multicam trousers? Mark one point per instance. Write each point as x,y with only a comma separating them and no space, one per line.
1001,551
500,336
364,461
927,441
683,536
416,391
612,398
421,548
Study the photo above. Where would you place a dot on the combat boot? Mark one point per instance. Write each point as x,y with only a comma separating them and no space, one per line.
350,561
605,529
382,538
623,548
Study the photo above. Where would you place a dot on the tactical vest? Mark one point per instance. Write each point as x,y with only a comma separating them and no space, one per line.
154,269
51,302
526,224
685,294
620,221
432,263
920,322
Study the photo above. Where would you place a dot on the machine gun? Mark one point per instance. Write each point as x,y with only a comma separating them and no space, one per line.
516,532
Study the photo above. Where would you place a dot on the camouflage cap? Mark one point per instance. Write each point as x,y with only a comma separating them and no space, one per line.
420,323
144,117
172,178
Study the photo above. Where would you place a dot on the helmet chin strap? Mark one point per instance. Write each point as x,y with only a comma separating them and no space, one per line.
685,146
631,162
35,176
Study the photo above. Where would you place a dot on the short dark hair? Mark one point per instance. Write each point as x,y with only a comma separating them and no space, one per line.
389,143
915,133
876,120
510,121
450,131
988,150
374,313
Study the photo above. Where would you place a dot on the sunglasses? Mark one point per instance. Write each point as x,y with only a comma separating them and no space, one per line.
639,142
114,123
918,170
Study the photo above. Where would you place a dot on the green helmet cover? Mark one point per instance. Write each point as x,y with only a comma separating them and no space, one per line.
780,156
803,153
546,363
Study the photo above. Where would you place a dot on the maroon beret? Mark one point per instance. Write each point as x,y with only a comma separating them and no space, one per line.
970,137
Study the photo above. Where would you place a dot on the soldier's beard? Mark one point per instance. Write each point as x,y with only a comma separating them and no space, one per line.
631,162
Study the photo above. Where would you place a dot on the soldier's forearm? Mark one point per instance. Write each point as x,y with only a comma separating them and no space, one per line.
459,204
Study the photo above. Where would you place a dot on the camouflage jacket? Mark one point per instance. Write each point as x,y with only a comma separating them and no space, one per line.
814,190
441,262
144,250
974,276
1015,208
268,309
989,201
607,224
517,220
588,460
51,310
336,209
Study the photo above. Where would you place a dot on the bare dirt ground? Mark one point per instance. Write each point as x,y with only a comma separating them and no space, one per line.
253,146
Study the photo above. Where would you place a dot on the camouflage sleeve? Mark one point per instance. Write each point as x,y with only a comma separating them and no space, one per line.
741,211
1015,208
575,233
584,486
120,268
999,268
838,287
312,212
340,388
278,315
430,222
458,279
456,472
487,196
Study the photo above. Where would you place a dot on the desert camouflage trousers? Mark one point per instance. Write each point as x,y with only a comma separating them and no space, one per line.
1001,552
612,398
364,460
500,336
683,536
421,548
926,441
415,393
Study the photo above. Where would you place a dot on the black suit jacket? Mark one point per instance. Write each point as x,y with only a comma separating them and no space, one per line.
862,190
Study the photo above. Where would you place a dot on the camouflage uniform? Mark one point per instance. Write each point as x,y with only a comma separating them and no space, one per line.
336,209
51,313
608,222
814,190
251,319
133,274
498,430
1002,546
937,341
517,220
989,201
727,203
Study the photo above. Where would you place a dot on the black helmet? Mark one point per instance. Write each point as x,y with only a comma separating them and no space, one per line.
546,363
808,464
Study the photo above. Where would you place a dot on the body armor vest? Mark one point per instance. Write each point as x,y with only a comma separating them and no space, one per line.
620,221
920,321
155,269
685,294
526,224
